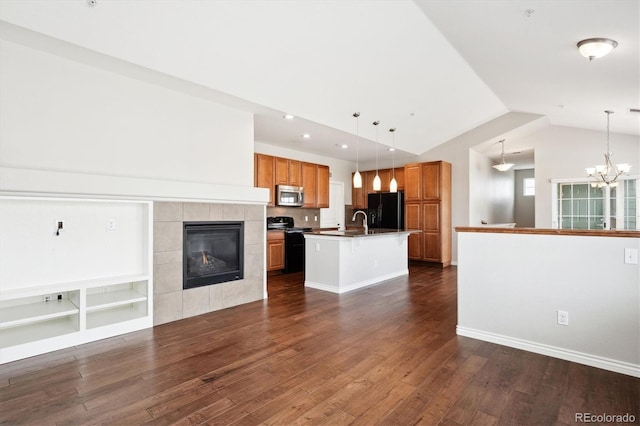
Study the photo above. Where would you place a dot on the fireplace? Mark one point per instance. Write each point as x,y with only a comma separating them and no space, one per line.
212,253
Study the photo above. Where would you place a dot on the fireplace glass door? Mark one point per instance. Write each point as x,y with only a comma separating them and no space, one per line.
212,253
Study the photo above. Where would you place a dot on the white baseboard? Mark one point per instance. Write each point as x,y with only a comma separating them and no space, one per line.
552,351
344,288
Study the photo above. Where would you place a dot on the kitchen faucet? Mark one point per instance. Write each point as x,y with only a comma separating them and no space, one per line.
364,221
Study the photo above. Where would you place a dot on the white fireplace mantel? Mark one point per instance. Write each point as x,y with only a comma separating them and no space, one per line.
31,182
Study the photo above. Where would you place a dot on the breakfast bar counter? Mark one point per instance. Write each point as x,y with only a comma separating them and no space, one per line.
340,261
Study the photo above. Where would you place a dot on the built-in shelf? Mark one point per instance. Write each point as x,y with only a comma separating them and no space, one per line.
119,314
37,331
35,312
111,299
39,318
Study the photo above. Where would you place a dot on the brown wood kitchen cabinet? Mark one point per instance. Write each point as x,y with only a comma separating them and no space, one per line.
264,174
322,196
359,195
295,172
428,208
275,250
310,183
287,172
270,171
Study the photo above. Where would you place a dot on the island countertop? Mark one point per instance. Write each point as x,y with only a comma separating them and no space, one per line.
357,233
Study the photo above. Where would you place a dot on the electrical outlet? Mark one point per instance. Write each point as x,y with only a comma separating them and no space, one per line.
306,218
315,218
631,256
111,224
59,296
563,318
59,226
46,298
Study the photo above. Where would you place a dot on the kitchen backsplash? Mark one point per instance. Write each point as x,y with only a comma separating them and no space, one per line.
299,216
303,218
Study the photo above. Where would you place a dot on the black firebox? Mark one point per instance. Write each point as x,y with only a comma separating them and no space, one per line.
213,253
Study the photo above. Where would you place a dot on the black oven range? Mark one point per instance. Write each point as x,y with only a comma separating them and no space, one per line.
293,242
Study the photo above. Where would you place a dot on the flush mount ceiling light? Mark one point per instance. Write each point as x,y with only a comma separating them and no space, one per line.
377,183
342,146
596,47
503,167
288,117
306,136
357,178
607,174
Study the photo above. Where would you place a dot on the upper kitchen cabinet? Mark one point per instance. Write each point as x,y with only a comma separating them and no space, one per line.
295,172
264,174
385,179
310,184
399,174
413,182
432,173
282,171
322,199
287,172
315,181
271,171
359,195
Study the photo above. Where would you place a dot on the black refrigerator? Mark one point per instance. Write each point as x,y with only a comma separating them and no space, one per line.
386,210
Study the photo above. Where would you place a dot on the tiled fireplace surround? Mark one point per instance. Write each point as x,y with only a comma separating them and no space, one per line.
171,302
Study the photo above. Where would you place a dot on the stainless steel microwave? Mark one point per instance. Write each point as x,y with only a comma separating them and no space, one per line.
291,196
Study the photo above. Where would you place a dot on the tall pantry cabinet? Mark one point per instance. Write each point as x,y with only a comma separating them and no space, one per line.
428,208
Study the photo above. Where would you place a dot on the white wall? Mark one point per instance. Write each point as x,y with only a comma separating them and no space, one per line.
490,191
540,274
524,207
61,115
456,152
565,152
33,255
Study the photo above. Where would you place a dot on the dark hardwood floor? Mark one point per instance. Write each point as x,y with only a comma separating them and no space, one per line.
384,355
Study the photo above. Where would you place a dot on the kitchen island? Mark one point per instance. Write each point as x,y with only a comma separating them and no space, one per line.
341,261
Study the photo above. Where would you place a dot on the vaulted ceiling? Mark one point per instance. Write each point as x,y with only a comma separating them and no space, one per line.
432,69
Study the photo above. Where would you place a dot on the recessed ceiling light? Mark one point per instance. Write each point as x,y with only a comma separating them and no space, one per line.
306,135
391,149
288,117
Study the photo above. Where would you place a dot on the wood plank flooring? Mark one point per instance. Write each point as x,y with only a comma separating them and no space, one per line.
384,355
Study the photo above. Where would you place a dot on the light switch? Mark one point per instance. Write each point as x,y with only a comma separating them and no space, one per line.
631,256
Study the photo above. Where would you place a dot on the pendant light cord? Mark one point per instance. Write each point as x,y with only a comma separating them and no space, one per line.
375,123
393,153
357,115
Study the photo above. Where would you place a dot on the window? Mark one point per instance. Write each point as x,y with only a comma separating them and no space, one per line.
631,202
529,187
582,206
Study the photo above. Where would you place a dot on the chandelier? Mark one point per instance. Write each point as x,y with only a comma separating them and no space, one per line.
607,174
503,167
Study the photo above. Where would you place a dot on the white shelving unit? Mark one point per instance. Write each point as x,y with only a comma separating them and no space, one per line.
36,319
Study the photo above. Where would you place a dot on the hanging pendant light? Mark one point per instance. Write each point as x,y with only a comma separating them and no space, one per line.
357,177
393,185
607,174
503,167
377,183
